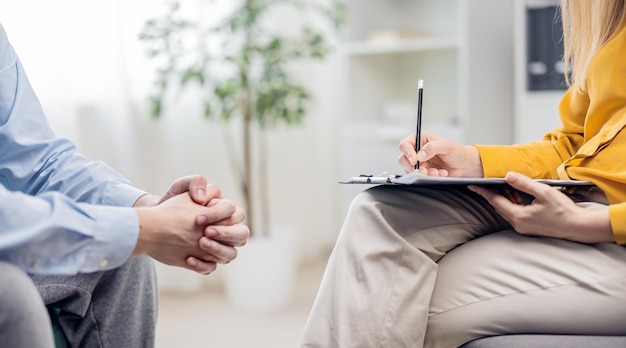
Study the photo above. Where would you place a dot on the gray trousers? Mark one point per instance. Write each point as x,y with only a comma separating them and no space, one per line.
116,308
416,267
24,320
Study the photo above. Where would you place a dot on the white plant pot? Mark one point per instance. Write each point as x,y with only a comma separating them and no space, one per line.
261,277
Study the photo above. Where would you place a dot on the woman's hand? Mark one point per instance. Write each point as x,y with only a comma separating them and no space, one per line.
550,214
440,157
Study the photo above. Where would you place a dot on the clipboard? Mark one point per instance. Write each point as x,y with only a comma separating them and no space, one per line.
417,178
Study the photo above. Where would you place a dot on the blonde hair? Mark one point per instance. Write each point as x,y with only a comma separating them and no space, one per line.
587,26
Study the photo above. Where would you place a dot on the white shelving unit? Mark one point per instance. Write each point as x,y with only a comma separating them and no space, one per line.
462,49
536,112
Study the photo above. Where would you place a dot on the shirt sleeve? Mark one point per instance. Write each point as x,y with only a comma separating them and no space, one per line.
52,234
541,159
59,211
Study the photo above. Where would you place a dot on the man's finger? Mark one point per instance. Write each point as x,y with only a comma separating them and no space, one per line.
213,191
218,210
235,235
199,266
221,252
195,184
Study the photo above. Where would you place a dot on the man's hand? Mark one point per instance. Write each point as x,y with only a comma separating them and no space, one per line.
196,185
169,233
222,234
219,223
550,214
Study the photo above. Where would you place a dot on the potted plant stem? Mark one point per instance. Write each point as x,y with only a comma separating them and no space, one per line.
243,66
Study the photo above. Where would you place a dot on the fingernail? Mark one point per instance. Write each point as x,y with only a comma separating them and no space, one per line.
202,219
192,263
421,155
211,232
206,243
201,193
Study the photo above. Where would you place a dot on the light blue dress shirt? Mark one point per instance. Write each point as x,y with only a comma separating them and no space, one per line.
60,213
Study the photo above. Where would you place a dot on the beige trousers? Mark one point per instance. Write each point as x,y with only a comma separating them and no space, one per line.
416,267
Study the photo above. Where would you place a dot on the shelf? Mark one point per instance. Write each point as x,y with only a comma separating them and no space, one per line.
365,48
536,111
461,51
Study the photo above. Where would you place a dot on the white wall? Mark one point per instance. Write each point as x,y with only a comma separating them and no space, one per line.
88,69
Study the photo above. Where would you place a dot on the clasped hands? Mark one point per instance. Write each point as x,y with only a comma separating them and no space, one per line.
190,226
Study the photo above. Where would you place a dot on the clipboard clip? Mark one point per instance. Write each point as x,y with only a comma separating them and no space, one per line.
382,178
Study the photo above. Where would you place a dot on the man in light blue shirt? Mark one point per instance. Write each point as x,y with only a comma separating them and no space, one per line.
84,233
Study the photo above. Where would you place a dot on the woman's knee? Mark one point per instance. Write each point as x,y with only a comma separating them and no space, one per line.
371,203
363,199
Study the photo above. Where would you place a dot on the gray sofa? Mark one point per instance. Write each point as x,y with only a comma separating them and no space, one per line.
548,341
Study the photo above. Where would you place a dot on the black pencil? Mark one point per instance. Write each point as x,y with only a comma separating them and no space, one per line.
418,130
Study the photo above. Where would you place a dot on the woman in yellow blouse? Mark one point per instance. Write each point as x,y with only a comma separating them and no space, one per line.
417,266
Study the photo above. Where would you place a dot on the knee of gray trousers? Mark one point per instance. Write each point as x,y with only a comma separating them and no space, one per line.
24,320
122,310
113,308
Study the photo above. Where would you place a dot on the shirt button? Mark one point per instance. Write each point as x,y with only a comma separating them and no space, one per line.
103,263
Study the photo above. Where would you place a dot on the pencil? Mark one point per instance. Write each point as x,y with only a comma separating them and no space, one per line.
418,130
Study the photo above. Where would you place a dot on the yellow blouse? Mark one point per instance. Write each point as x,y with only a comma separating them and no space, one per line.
591,142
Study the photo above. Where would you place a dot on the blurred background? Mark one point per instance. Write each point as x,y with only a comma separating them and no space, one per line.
93,77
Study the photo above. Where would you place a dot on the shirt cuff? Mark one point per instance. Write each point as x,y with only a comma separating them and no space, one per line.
115,237
121,194
533,160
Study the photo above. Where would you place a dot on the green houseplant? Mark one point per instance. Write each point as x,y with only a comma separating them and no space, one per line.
243,67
